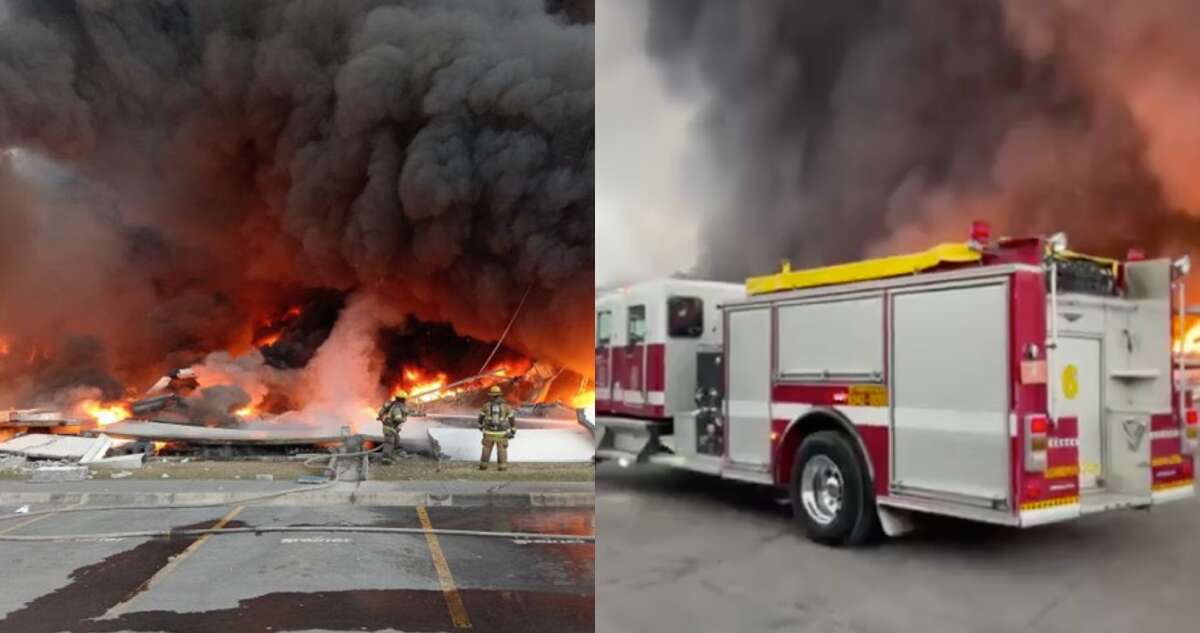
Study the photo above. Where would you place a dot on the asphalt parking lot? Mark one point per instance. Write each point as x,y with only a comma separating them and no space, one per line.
312,581
684,552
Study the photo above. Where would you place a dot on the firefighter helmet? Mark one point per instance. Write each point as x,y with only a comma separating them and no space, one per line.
494,391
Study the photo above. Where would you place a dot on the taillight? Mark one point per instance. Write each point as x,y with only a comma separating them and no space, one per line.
1191,430
1039,425
1037,442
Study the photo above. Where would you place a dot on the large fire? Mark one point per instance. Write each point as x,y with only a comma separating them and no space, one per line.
506,369
271,328
1189,343
105,413
584,400
429,363
422,386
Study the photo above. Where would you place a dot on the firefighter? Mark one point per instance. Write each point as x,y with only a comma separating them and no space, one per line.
498,423
393,415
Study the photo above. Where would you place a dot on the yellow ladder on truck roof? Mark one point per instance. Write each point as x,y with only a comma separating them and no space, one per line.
1113,264
879,268
892,266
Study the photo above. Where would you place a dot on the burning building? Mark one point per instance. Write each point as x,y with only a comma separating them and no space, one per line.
306,205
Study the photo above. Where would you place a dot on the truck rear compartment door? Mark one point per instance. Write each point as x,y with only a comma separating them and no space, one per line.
1077,393
749,385
949,377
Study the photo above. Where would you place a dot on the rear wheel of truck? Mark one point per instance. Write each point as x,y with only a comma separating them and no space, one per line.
830,490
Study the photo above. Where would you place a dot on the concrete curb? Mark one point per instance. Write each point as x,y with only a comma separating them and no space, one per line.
316,497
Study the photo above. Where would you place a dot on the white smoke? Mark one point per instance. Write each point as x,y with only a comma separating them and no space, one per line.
343,377
650,171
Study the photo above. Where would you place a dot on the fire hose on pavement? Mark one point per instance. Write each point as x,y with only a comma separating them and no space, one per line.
530,536
331,467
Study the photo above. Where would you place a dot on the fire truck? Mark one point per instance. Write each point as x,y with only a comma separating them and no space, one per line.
1008,381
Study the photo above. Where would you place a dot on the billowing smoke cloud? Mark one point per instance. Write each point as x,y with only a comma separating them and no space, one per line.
183,164
851,128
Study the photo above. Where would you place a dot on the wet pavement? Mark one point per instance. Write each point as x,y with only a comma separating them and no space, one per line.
727,556
300,581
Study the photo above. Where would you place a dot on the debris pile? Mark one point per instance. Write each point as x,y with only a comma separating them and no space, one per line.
67,457
160,425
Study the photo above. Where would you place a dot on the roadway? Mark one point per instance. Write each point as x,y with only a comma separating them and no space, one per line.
686,552
312,581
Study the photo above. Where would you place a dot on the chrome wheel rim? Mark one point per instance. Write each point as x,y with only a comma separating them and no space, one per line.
821,489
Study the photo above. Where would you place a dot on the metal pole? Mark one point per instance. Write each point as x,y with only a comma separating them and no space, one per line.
507,328
1052,343
1182,344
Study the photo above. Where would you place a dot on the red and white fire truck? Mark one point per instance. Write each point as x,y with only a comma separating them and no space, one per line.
1009,381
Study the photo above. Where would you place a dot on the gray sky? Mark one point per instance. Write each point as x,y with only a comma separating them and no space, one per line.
649,170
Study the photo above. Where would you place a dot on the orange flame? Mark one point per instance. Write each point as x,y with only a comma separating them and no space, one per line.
270,328
415,382
246,411
510,368
5,346
584,399
1190,342
267,340
105,414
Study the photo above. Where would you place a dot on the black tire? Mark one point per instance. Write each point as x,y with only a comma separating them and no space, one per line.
856,522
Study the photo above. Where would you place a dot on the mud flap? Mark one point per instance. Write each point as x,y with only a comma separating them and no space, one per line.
633,440
896,522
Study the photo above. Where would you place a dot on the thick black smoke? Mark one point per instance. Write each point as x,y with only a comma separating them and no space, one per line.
850,127
436,154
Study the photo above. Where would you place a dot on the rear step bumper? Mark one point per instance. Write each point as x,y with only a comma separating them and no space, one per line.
1095,502
1176,492
1099,501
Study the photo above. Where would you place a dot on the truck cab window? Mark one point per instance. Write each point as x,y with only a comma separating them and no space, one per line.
685,317
637,324
603,328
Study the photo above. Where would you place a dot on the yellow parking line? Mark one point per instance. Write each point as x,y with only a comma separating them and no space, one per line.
122,607
458,613
33,520
22,524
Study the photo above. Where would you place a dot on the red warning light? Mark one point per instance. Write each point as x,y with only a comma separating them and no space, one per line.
981,232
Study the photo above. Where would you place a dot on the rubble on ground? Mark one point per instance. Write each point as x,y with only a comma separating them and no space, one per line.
50,458
191,434
48,445
63,447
